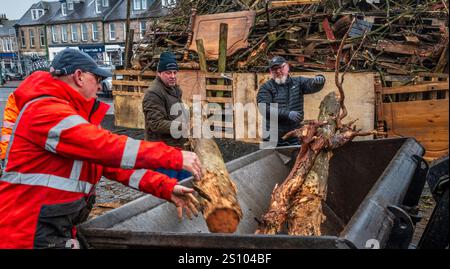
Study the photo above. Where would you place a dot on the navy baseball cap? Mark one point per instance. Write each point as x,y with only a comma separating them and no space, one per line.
276,61
69,60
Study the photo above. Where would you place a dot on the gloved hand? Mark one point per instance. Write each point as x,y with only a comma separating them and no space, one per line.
295,116
319,80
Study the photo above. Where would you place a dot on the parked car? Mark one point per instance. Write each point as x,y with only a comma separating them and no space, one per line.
9,75
107,83
107,87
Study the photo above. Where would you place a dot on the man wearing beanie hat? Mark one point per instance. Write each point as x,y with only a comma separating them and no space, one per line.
159,99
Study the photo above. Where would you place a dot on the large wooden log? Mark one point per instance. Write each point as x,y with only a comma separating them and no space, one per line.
299,199
282,196
306,215
218,192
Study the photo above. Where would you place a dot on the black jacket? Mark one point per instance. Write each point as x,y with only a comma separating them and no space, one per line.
289,97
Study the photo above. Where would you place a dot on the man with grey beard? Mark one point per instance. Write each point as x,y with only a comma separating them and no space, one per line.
287,92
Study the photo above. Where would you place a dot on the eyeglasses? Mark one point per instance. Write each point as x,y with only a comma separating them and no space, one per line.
97,78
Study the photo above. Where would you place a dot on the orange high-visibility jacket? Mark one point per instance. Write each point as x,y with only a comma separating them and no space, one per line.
9,120
56,156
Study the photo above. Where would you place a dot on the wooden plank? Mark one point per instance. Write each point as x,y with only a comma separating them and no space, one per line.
406,49
223,124
216,75
131,83
201,55
192,83
427,121
222,65
293,2
437,75
131,72
123,93
417,88
128,107
247,125
226,88
220,100
206,27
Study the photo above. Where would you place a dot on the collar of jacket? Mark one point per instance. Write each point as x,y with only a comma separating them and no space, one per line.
41,83
174,91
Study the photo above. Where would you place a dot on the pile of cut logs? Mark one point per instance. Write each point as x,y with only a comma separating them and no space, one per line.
399,37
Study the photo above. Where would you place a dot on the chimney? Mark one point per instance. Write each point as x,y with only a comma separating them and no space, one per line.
3,18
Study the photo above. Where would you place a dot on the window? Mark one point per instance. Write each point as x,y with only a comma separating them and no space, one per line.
142,29
11,41
169,3
22,37
105,3
64,9
69,4
31,33
42,37
84,33
112,31
36,14
2,45
97,6
94,32
5,44
54,35
64,33
139,4
74,30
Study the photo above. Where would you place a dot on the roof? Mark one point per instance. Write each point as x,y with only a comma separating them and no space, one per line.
6,26
50,9
120,11
83,11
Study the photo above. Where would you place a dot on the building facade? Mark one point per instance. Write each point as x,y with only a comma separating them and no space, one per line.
31,28
96,27
9,51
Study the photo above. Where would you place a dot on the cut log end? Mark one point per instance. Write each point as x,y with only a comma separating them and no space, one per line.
223,220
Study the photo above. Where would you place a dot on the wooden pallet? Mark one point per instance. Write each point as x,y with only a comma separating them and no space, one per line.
240,89
419,110
132,80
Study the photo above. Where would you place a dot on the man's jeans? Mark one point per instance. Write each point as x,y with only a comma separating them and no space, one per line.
179,175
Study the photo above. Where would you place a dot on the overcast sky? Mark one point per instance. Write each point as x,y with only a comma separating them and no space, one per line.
14,9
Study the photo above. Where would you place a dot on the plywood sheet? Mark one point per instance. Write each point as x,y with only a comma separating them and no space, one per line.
360,97
427,121
207,27
246,124
128,110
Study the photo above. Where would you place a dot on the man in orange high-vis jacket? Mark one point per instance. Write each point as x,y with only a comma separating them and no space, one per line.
9,120
58,153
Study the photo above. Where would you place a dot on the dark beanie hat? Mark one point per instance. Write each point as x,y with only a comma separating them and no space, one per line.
167,62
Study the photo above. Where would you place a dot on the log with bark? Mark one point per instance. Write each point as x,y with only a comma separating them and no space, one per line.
218,193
